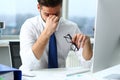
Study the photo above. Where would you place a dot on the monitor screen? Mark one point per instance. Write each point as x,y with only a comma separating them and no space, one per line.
106,49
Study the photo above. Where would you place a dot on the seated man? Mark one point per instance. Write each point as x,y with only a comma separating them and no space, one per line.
37,33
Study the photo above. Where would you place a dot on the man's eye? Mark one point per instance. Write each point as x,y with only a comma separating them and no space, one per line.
56,14
46,14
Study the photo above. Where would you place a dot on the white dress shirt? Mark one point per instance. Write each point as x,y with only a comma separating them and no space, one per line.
31,30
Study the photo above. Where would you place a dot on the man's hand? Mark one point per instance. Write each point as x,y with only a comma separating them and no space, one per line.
40,44
83,41
51,23
80,40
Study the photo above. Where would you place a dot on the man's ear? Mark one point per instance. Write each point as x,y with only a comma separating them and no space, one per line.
38,6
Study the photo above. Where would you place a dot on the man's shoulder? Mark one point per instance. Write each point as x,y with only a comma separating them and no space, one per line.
68,22
33,19
30,23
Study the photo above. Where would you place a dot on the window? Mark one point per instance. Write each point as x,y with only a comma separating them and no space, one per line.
83,13
14,13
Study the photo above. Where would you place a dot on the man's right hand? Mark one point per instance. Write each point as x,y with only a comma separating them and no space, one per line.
40,44
51,24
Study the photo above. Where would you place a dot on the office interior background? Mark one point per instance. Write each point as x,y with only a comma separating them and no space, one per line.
82,12
15,12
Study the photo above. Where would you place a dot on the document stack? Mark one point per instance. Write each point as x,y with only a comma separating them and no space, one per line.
8,73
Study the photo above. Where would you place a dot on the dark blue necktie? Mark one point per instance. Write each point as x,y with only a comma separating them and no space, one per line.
52,55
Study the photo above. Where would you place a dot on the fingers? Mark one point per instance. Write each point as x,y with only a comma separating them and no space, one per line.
79,40
83,40
53,18
51,23
74,38
56,19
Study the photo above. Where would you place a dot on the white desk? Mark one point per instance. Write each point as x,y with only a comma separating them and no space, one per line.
56,74
111,72
61,74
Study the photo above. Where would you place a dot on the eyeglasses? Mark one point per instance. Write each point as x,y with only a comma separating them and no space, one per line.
69,40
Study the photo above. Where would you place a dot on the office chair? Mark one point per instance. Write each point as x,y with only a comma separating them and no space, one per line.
15,56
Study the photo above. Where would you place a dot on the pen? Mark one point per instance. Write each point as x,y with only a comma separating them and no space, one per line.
71,74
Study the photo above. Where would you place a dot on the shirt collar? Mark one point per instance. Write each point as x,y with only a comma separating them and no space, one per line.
43,23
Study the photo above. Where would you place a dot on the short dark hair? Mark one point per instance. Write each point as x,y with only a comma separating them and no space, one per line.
50,3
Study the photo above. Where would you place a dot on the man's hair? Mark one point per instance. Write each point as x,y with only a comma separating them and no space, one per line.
50,3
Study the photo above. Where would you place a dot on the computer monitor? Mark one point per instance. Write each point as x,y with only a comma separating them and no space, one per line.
106,49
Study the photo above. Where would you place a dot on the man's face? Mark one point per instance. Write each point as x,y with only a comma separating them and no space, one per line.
47,11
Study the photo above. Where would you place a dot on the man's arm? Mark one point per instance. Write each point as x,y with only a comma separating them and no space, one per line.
39,46
84,42
87,49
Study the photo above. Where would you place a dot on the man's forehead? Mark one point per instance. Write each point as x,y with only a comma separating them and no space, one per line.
49,12
51,9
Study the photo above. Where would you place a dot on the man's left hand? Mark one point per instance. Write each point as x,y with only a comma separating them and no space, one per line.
80,40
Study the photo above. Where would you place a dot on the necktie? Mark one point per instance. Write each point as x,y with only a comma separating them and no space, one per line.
52,55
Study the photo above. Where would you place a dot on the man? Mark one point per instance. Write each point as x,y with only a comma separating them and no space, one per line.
36,32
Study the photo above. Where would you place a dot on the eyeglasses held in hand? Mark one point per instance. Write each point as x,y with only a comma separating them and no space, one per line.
69,40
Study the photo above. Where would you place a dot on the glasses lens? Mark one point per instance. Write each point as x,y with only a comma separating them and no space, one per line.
73,47
68,40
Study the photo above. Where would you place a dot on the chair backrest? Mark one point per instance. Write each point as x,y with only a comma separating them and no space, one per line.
15,56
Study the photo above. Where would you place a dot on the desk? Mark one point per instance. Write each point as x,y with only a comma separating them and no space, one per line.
109,73
56,74
61,74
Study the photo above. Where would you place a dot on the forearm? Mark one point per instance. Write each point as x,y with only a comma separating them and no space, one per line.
39,46
87,50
